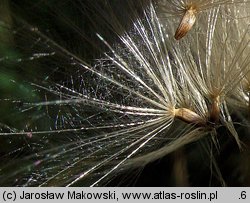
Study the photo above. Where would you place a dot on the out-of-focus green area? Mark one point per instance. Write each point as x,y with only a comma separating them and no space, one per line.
14,88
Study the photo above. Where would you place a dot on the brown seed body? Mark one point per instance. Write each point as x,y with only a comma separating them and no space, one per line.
186,23
215,110
189,116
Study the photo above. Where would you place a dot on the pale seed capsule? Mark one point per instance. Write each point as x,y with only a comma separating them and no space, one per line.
186,23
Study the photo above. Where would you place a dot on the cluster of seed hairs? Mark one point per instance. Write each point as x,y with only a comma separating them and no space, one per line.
175,75
189,10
